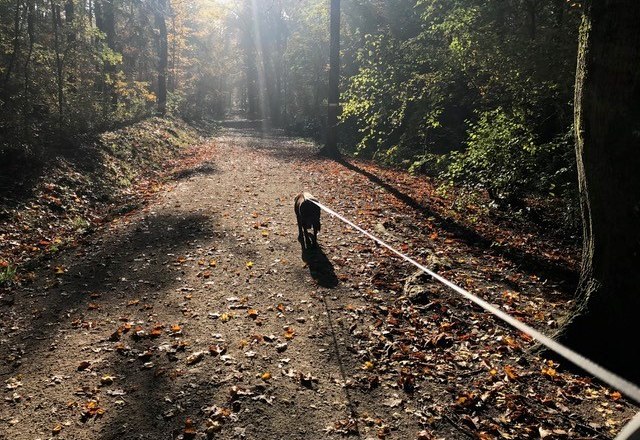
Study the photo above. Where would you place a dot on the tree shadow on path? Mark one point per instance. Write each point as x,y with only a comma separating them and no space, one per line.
533,264
100,278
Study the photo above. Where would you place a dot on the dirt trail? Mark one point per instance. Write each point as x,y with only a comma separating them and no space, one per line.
213,263
200,316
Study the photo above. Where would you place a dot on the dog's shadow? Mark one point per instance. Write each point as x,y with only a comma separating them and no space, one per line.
320,267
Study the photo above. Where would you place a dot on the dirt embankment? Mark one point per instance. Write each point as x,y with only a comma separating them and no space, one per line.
51,199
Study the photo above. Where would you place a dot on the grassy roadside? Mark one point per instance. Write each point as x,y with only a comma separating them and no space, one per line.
50,201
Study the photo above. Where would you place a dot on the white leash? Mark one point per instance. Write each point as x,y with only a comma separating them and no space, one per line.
611,379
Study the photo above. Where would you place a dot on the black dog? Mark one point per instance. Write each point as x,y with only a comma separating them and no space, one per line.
308,216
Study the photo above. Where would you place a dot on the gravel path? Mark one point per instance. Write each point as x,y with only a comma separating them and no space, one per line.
195,316
200,316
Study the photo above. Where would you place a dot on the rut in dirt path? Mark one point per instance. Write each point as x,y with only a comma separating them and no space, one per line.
199,315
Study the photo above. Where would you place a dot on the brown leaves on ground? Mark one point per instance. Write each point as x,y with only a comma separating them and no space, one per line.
228,330
53,204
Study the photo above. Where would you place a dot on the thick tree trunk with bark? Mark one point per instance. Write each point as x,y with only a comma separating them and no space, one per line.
607,121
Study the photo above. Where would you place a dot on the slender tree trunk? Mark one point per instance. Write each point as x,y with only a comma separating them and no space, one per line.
57,22
607,121
69,16
163,54
31,33
15,49
251,72
532,6
173,79
331,147
106,23
97,12
500,26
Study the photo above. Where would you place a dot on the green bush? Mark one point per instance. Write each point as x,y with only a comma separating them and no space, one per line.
500,155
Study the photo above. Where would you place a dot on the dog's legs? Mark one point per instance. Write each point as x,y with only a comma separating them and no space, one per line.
307,238
301,238
315,236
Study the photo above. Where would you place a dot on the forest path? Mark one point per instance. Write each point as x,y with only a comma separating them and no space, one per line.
200,315
184,310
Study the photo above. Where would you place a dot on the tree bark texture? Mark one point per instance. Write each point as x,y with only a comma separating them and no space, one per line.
607,124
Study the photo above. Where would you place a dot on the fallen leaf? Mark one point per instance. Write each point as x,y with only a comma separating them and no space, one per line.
106,380
189,429
217,350
59,270
195,358
392,402
156,331
368,365
289,333
511,373
83,365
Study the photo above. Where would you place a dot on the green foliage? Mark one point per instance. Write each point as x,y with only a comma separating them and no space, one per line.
503,157
500,154
478,93
67,69
393,101
7,274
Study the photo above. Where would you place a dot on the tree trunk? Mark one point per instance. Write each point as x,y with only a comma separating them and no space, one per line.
607,121
15,50
106,23
69,17
173,78
331,147
31,32
57,24
251,73
163,57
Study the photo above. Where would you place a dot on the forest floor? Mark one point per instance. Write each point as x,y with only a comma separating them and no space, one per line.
198,315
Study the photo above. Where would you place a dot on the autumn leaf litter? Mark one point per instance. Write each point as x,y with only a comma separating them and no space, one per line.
196,317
